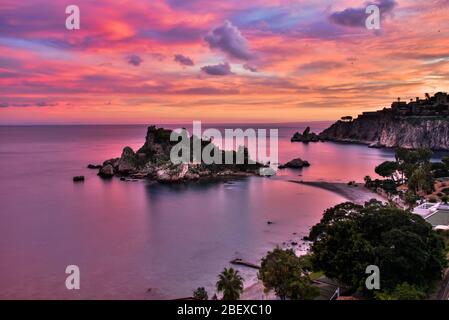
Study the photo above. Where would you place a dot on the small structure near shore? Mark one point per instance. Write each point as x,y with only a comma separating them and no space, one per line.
241,262
437,214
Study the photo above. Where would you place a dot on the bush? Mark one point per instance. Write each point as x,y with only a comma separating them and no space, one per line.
402,291
200,294
389,186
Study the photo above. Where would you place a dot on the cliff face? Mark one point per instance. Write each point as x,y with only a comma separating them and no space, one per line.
384,129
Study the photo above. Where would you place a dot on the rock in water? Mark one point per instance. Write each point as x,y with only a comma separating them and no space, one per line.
106,171
94,166
78,179
128,161
305,137
297,163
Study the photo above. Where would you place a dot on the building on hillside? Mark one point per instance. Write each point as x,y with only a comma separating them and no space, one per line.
437,214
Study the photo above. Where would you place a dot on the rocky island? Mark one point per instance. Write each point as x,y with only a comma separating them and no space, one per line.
152,161
420,123
305,137
297,163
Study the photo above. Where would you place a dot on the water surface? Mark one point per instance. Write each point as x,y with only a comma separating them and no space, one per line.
127,237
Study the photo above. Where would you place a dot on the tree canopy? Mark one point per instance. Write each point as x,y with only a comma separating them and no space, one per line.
230,283
351,237
283,272
387,169
200,294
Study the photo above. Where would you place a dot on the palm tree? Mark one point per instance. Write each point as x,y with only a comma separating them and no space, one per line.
230,283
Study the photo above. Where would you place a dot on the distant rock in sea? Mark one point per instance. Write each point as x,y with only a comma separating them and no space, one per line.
94,166
305,137
297,163
78,179
421,123
152,161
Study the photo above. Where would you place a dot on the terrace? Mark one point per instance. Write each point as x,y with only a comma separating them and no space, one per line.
437,214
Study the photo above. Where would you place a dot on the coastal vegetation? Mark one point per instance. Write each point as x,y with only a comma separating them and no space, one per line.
410,255
287,274
230,283
412,176
200,294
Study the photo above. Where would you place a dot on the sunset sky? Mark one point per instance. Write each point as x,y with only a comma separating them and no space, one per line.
166,61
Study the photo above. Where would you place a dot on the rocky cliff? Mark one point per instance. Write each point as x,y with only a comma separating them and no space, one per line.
385,129
152,161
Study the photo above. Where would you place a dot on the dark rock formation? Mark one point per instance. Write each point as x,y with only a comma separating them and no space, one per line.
78,179
297,163
94,166
419,124
107,171
305,137
152,161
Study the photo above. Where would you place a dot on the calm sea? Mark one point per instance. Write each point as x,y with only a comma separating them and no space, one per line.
127,237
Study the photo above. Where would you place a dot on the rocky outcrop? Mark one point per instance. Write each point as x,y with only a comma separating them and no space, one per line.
384,129
152,161
297,163
305,137
107,171
94,166
78,179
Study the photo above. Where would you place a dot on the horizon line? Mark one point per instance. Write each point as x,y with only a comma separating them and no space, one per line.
156,124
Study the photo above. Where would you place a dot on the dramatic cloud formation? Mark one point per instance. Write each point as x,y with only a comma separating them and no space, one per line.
319,66
185,61
290,60
134,60
249,67
356,17
222,69
228,39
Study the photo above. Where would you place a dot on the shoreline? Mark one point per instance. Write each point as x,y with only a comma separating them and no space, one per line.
356,193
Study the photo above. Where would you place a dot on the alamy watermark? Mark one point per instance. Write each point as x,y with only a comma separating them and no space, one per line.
72,282
73,21
372,282
373,20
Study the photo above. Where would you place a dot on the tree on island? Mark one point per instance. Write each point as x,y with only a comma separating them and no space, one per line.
283,272
351,237
200,294
230,283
